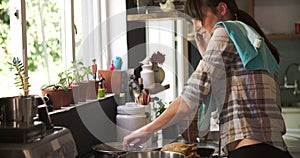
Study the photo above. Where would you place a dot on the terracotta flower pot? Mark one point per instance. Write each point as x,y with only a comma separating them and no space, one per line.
59,97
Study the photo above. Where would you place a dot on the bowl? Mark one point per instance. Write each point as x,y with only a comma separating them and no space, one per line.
206,150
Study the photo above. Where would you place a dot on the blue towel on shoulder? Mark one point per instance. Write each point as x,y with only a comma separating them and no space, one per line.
253,51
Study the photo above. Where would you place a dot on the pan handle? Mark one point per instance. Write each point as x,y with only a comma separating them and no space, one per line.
118,155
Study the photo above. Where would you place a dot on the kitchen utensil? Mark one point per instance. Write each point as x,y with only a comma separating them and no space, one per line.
44,116
136,93
152,154
141,98
146,97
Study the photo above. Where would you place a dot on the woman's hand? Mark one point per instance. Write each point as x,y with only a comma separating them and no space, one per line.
138,137
176,111
201,36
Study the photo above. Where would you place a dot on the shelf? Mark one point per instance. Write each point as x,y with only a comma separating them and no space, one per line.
251,11
278,36
155,15
271,36
158,88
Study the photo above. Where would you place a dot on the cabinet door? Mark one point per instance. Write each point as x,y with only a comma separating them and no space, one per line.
277,18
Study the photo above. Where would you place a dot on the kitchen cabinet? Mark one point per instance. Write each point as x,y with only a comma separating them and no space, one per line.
277,18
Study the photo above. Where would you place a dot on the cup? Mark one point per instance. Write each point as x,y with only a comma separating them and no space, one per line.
297,27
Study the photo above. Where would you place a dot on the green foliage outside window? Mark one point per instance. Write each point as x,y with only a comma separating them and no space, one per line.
4,29
46,13
39,14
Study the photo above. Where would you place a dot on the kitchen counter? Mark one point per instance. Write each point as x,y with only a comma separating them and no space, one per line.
90,122
291,117
292,140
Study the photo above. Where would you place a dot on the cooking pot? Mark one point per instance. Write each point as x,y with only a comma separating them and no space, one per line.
152,154
111,150
108,150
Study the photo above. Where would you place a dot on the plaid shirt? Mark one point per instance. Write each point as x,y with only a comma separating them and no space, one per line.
248,100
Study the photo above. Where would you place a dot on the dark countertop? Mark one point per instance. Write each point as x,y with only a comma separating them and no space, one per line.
90,123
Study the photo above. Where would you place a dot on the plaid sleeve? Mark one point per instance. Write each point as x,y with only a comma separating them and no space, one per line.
197,86
210,73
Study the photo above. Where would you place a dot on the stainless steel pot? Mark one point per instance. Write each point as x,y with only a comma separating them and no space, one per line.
15,110
152,154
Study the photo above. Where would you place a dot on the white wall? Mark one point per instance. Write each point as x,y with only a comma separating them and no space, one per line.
117,32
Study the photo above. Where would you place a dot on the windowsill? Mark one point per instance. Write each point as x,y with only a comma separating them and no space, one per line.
67,108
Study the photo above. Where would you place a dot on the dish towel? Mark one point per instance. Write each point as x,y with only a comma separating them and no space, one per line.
253,51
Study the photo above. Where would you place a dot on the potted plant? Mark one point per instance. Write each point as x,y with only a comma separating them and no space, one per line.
78,70
159,107
92,89
66,78
60,93
20,108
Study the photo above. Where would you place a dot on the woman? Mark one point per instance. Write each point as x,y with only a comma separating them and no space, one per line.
250,118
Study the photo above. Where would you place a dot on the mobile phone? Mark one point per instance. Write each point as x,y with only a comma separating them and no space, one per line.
200,36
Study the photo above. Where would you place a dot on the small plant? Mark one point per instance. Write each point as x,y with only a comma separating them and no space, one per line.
55,86
87,71
21,77
64,82
80,71
76,71
65,78
159,106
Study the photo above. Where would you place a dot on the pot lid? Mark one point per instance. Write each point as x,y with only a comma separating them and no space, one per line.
115,148
110,148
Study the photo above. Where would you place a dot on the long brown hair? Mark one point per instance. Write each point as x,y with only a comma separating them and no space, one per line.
193,9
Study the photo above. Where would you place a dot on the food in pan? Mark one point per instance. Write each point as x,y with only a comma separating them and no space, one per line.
189,150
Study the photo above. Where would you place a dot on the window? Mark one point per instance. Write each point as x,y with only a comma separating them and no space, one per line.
58,32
